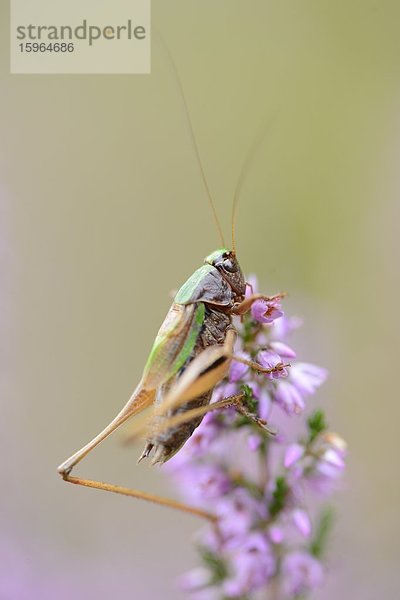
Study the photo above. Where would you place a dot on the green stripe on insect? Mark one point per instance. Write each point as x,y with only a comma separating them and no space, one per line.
171,349
190,341
185,293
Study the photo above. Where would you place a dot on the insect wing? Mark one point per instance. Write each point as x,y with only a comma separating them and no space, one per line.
174,343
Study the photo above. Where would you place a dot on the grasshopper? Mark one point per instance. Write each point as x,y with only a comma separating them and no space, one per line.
191,354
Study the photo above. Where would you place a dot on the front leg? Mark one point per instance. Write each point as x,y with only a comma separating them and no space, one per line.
279,368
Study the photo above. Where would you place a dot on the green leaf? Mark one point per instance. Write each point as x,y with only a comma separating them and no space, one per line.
279,496
316,424
216,566
249,401
325,522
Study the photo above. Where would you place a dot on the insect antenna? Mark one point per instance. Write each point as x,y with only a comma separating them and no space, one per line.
243,174
192,135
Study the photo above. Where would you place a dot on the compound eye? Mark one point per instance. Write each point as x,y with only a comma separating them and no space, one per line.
229,265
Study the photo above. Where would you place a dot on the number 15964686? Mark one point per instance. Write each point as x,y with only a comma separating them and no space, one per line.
47,47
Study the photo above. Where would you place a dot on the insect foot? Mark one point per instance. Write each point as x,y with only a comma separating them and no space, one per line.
145,453
162,453
256,420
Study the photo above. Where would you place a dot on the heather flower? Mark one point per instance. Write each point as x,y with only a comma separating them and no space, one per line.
211,482
293,453
263,311
195,579
282,349
307,378
276,534
254,483
332,457
283,327
264,402
271,360
238,369
325,473
250,566
289,398
301,573
302,522
266,311
238,513
254,442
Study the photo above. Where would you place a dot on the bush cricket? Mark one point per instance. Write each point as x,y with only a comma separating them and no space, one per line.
190,355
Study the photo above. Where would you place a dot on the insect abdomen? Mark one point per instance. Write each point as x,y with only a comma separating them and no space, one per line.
168,442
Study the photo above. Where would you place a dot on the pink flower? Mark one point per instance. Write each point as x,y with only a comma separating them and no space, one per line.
301,573
195,579
276,534
251,564
282,349
271,360
238,369
293,453
289,398
254,442
238,512
265,311
264,404
307,377
284,327
302,521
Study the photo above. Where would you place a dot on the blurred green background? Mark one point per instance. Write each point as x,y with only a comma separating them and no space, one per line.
103,213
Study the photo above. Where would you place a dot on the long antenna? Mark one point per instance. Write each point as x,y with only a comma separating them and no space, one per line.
192,136
243,174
